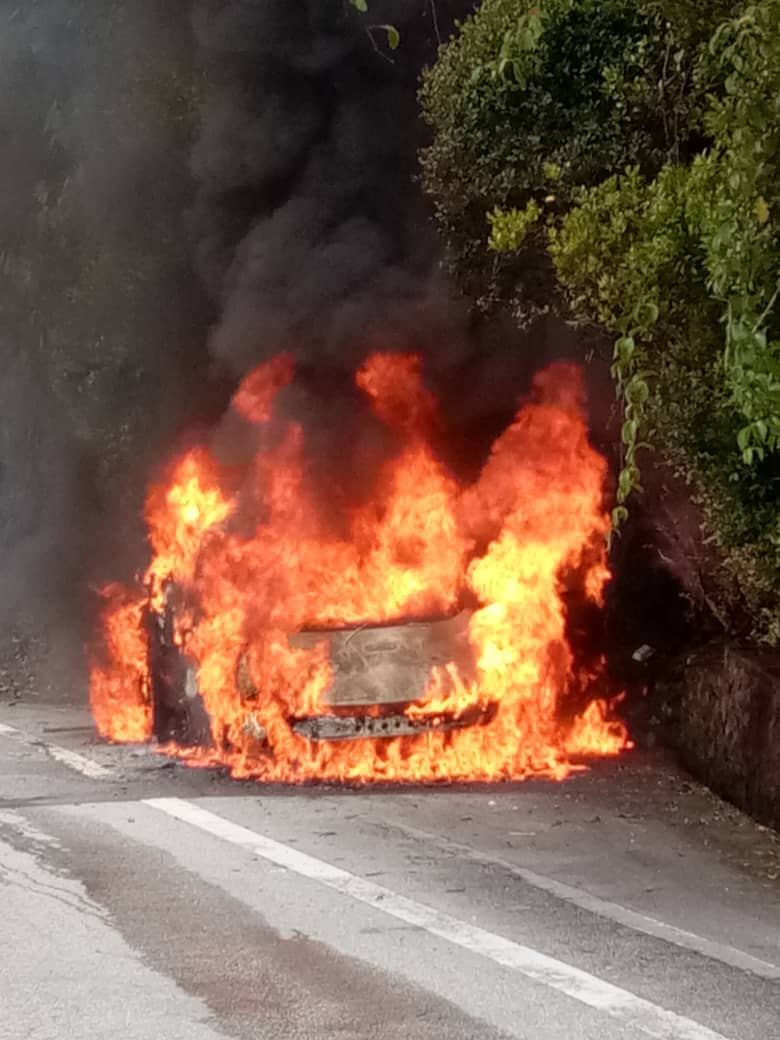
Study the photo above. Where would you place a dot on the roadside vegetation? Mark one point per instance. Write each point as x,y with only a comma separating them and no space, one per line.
617,161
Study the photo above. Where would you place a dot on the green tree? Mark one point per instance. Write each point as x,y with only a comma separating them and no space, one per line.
619,161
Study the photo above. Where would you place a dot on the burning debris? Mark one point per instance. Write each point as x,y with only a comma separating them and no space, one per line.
420,636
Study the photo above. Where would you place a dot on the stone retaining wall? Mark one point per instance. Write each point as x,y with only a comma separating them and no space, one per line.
729,727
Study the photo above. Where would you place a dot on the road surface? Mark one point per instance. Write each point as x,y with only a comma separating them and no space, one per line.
143,900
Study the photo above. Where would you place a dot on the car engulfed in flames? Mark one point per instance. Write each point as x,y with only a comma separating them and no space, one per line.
423,637
374,673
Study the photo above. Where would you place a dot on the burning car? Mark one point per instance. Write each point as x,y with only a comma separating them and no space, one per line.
423,638
379,675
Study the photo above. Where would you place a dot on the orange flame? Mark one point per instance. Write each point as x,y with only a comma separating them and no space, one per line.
119,688
255,397
178,515
420,547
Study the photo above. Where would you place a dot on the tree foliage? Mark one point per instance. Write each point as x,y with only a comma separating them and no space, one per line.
630,151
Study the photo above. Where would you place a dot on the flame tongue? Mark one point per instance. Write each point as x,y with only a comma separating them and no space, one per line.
414,551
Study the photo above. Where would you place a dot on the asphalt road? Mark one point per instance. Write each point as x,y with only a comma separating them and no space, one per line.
143,900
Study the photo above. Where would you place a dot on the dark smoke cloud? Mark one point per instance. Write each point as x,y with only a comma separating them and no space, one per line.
313,236
312,233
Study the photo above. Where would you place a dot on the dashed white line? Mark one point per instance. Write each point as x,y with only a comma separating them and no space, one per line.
72,759
590,990
80,763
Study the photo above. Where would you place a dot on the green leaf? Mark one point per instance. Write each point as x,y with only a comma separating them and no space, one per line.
619,516
628,481
361,5
629,431
393,36
637,391
646,314
624,349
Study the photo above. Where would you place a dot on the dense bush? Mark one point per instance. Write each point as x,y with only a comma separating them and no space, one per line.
532,101
629,151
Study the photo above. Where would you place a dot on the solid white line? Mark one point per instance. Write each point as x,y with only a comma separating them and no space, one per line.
619,1003
604,908
71,759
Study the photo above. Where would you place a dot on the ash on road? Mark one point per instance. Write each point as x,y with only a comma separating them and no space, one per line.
143,899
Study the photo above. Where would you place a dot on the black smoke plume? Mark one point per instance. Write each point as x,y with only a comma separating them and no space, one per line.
312,233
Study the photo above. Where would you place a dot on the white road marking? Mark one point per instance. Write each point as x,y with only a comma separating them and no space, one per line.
71,759
619,1003
632,919
604,908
